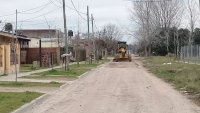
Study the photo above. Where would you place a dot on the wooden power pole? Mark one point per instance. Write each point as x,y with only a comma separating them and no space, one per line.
93,38
88,23
66,38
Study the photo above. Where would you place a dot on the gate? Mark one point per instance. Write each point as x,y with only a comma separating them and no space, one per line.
23,56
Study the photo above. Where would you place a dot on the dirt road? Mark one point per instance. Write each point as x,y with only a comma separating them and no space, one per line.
117,88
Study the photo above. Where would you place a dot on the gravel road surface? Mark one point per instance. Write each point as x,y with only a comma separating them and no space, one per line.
123,87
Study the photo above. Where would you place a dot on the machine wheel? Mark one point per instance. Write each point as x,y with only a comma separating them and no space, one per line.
116,58
129,57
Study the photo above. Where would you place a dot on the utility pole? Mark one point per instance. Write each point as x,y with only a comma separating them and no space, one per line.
77,47
15,49
88,20
66,37
104,33
93,37
199,4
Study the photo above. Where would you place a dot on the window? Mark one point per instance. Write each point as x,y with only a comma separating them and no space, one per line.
12,54
46,36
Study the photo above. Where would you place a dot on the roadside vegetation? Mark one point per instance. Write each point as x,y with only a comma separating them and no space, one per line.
184,76
11,101
30,84
74,71
28,68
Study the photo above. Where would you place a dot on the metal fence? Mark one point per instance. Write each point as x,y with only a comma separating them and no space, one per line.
190,54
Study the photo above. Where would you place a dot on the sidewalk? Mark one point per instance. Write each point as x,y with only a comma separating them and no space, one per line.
12,77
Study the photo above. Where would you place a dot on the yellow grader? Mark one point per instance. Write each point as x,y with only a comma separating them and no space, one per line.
122,53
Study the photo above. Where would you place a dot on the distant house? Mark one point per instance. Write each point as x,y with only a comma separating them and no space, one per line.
34,43
49,37
84,44
7,51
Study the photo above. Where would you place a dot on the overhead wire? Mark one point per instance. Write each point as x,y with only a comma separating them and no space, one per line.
36,16
27,10
35,11
77,11
45,5
54,3
71,8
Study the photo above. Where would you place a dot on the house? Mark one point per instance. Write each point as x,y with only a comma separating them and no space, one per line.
84,44
49,37
34,42
8,48
51,41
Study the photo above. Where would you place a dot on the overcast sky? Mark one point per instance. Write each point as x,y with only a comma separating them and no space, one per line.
104,11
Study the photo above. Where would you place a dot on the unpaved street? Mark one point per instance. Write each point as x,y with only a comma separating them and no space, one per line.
117,88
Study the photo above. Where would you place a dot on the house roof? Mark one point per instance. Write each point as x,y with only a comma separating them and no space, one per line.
2,33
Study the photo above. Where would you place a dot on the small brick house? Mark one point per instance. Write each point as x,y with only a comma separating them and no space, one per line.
51,41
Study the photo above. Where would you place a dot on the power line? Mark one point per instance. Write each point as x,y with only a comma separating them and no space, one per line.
36,16
45,5
39,15
77,11
36,11
70,7
54,3
27,10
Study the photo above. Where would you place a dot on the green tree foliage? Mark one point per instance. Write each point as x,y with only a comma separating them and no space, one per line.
159,46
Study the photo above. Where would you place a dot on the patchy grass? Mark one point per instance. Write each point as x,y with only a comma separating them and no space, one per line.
74,71
30,84
29,67
184,76
58,77
12,101
70,74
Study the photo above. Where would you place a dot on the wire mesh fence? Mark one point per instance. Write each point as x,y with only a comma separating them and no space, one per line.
190,54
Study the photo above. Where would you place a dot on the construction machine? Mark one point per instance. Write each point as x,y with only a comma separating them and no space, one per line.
122,52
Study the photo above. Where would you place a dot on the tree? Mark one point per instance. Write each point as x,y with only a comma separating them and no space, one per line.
155,18
196,36
110,34
192,14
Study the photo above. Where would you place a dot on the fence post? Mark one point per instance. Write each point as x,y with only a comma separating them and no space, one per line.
180,54
184,54
197,53
187,54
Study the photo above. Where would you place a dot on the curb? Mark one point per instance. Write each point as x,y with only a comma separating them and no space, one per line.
81,76
64,86
28,106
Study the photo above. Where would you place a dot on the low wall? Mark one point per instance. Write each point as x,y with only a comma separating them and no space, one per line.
33,54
